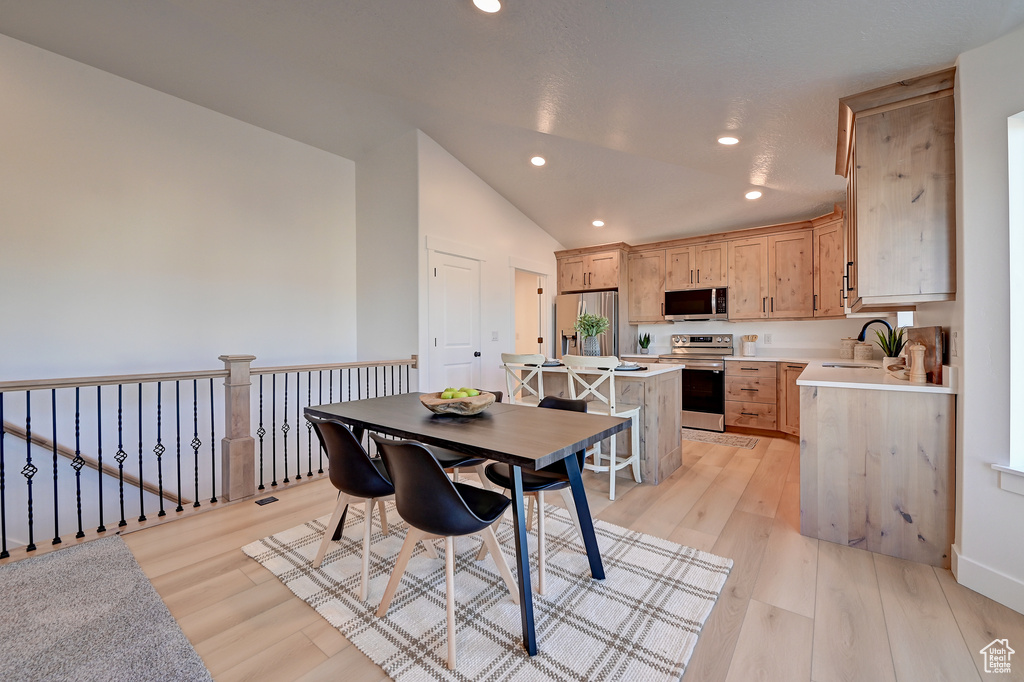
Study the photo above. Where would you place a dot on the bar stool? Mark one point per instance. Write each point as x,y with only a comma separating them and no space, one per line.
520,370
601,369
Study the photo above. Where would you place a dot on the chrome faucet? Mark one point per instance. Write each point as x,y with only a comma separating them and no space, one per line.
864,329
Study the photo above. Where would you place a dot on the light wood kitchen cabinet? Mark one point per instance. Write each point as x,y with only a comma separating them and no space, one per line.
589,272
646,287
829,268
788,401
791,274
896,147
748,279
697,267
751,394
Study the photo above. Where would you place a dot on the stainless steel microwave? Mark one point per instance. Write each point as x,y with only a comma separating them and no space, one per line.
697,304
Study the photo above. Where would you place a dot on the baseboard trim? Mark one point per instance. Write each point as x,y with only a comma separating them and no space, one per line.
998,586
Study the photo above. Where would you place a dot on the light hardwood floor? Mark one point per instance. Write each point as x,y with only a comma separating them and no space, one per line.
793,608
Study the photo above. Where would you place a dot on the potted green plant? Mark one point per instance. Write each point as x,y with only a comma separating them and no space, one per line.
891,341
589,326
644,341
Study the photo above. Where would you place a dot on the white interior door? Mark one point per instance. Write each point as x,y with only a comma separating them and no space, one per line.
454,321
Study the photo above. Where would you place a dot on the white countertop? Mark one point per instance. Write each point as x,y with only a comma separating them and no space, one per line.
653,369
872,377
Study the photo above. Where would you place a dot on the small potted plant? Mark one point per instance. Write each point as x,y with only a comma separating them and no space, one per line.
891,341
589,326
644,341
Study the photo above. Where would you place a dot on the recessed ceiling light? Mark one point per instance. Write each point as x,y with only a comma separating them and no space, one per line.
489,6
727,139
753,195
598,223
538,161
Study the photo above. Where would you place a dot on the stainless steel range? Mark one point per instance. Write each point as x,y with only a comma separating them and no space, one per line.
703,377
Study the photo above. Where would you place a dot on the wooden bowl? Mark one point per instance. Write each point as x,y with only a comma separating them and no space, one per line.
460,406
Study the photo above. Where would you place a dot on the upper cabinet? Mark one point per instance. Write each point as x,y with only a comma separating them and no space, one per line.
896,148
647,287
697,267
594,271
829,268
772,276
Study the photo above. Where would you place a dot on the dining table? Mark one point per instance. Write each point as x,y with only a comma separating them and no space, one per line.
525,437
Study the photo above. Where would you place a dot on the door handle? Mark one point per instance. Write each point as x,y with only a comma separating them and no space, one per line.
698,275
476,354
764,304
815,301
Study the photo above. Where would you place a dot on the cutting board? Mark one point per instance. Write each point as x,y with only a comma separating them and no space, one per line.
931,337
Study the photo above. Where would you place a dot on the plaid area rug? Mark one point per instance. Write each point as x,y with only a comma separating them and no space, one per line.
640,623
731,440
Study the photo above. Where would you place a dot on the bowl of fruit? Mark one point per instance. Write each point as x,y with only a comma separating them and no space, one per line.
460,401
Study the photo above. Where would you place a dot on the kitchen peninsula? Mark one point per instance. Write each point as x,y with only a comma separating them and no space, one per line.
657,390
876,461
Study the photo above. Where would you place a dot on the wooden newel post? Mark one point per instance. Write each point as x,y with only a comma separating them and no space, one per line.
238,448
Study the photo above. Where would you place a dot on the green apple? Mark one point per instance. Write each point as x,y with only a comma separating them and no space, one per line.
447,395
472,392
466,389
449,390
460,394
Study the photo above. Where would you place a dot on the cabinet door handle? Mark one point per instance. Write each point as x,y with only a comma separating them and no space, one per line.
754,390
815,301
795,366
749,369
750,414
691,276
848,287
698,275
773,304
662,308
764,304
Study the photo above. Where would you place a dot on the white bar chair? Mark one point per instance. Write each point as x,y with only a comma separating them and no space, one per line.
587,374
520,370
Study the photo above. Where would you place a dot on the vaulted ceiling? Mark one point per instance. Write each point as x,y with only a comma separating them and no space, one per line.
625,100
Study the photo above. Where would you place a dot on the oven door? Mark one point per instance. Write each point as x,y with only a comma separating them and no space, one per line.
704,395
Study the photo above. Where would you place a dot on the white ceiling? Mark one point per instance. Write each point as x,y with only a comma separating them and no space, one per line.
625,99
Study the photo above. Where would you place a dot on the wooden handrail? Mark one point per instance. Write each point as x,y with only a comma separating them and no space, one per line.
64,451
110,380
411,362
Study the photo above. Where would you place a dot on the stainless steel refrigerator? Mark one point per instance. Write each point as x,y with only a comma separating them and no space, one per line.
568,307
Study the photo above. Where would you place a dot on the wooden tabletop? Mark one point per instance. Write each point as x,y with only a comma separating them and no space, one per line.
529,437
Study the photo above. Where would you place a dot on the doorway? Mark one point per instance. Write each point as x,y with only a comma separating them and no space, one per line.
453,321
529,316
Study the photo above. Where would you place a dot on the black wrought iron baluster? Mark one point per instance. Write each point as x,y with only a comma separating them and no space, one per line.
376,386
99,454
320,448
3,485
120,456
392,379
77,463
348,383
273,430
56,497
29,470
195,438
142,489
213,445
177,443
285,428
367,382
330,385
298,431
158,449
309,427
399,379
261,432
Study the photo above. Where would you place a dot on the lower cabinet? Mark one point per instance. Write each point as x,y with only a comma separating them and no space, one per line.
751,394
789,397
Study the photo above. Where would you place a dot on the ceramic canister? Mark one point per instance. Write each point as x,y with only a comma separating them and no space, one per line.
863,351
846,348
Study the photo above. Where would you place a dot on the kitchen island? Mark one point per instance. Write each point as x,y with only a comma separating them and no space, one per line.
658,392
876,461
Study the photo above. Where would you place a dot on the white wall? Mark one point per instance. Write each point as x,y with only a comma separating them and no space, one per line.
459,207
989,553
144,233
387,199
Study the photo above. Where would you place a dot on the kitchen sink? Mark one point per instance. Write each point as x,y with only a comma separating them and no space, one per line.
842,365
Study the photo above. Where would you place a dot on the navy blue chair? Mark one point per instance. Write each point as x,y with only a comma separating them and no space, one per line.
435,506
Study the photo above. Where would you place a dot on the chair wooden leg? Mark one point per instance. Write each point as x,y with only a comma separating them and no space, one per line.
383,517
611,469
429,549
483,547
529,514
339,509
367,530
491,541
455,474
634,428
541,550
570,505
449,596
411,538
479,468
